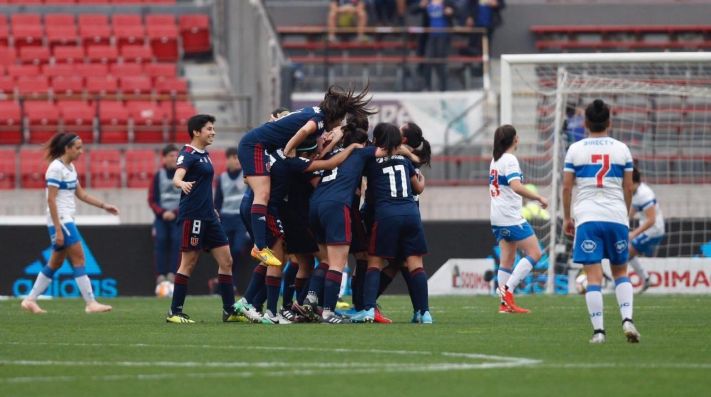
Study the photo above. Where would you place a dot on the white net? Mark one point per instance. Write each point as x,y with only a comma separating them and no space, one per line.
661,110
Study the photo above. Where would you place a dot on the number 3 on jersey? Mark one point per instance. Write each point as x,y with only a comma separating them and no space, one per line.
605,160
494,183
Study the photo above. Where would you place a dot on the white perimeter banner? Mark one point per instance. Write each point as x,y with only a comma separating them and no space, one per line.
676,275
432,111
461,277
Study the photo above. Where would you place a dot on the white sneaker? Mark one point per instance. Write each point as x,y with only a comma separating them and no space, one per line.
598,338
630,331
32,306
96,307
270,318
247,310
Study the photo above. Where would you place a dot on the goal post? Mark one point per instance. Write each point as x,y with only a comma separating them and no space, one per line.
661,108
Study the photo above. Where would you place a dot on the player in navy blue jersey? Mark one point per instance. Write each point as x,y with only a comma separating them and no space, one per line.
397,231
284,172
288,132
200,224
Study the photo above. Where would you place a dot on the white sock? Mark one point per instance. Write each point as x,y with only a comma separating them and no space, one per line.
634,262
521,270
593,298
624,293
85,287
503,276
40,285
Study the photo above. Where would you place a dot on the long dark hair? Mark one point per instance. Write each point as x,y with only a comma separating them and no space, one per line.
387,136
355,130
56,146
597,116
503,139
420,146
338,102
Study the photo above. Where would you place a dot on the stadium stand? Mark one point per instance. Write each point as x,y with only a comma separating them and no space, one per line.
7,169
105,170
140,166
32,168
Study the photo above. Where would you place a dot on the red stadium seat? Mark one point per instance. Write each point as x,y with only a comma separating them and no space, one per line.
7,168
67,86
4,31
33,87
119,20
102,54
174,86
179,118
78,117
195,32
59,69
69,54
137,54
92,69
161,2
101,85
148,122
93,20
160,71
160,20
136,85
126,69
95,35
34,55
59,20
10,123
140,167
129,35
113,120
7,55
62,35
18,71
42,120
105,168
25,19
7,86
27,35
59,2
32,168
219,160
163,40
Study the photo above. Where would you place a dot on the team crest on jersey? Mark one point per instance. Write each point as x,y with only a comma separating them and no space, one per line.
194,241
588,246
620,246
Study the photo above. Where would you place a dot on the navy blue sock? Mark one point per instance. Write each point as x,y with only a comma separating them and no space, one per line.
408,281
180,289
301,285
358,283
289,277
370,290
273,288
226,291
332,285
259,225
256,283
419,287
260,298
383,282
316,281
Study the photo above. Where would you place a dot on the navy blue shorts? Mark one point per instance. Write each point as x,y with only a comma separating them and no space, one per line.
298,236
359,242
202,234
597,240
398,236
330,222
253,158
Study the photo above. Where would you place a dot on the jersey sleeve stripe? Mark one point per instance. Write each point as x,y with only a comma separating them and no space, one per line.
629,166
569,167
648,204
513,176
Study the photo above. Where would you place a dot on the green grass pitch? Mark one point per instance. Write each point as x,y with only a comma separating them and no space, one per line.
471,350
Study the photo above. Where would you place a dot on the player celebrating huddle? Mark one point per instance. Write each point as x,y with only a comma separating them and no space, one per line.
507,224
201,226
62,188
601,167
288,132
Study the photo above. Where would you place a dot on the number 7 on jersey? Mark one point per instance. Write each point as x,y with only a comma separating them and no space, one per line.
602,172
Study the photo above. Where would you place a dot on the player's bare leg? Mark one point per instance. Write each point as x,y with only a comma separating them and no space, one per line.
43,280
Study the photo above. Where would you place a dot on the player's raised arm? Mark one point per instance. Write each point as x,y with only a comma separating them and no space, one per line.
309,128
334,161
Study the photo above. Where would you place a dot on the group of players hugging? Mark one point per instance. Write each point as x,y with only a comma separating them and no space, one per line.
308,172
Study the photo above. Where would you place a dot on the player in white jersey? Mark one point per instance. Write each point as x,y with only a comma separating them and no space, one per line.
601,168
62,187
650,232
510,229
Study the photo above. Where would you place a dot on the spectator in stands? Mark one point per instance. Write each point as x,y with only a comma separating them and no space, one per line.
439,14
228,198
574,124
346,14
163,198
387,12
482,14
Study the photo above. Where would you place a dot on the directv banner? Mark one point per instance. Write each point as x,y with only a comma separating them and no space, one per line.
432,111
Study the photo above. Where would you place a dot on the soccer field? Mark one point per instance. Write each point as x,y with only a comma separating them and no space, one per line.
470,350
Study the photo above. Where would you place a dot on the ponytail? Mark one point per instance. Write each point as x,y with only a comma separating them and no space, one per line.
420,146
56,146
503,140
387,136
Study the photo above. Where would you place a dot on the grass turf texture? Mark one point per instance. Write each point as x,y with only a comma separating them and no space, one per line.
132,351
